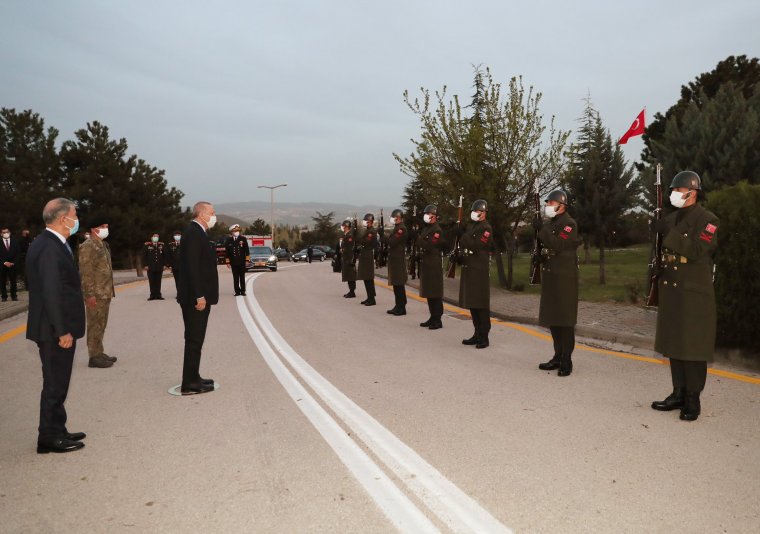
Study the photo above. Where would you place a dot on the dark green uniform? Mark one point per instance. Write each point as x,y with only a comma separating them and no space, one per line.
397,274
559,288
475,285
347,267
430,242
367,241
155,261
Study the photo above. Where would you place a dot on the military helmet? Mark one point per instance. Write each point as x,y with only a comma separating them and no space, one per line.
558,195
369,217
432,209
346,222
479,205
688,179
397,213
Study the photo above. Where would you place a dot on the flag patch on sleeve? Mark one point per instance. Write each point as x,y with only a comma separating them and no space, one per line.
568,229
710,228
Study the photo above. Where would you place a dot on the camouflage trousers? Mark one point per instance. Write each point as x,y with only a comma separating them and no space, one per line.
97,319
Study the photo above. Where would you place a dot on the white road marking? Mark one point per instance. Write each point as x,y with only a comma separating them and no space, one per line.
451,505
396,506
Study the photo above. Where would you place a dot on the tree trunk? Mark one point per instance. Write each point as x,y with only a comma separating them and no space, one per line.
586,250
602,277
511,251
135,260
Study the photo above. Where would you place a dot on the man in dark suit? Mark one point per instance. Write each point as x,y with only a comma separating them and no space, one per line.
56,320
10,251
199,290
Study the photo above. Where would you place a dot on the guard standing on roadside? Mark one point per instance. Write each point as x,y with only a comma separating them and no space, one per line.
430,242
366,272
475,285
559,280
96,273
347,267
686,318
236,247
154,262
397,262
172,258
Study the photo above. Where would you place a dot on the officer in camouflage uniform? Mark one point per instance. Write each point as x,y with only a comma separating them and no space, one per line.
172,257
475,286
367,241
397,262
559,280
96,274
236,248
347,266
686,319
154,262
430,242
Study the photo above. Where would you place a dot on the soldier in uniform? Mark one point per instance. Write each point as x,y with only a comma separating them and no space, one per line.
559,280
96,274
236,247
686,319
154,262
475,285
367,240
172,257
347,267
397,262
430,242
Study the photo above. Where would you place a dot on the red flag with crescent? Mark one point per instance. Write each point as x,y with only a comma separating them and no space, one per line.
637,128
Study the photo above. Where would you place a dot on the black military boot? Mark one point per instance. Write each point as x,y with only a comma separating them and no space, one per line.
691,407
401,310
349,295
551,365
370,302
393,310
471,341
565,367
435,325
671,402
482,343
427,323
365,301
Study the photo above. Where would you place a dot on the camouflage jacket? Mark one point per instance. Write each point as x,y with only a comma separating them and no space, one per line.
95,269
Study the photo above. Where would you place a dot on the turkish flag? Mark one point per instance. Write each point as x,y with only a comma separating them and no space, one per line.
637,128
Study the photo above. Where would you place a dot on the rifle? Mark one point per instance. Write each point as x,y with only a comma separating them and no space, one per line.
414,254
357,248
451,270
655,266
537,256
382,254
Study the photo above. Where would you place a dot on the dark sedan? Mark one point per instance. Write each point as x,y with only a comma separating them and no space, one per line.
317,255
261,258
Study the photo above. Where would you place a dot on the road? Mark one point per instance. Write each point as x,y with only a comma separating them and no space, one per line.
335,417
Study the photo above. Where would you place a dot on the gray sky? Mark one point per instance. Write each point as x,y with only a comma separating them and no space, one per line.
228,95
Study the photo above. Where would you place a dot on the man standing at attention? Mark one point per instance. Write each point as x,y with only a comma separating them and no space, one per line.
97,285
236,248
199,290
154,262
56,320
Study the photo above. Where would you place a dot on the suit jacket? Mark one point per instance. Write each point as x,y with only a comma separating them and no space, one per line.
11,255
56,304
198,265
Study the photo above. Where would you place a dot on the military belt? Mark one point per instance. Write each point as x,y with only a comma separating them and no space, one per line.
674,258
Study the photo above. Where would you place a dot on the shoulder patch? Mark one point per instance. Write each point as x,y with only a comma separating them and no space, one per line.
568,229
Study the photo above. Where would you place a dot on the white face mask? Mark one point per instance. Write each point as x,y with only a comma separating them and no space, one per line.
102,233
475,216
427,218
235,234
677,199
551,211
154,239
212,221
364,224
177,238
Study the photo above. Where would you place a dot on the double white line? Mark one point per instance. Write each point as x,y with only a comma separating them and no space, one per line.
446,501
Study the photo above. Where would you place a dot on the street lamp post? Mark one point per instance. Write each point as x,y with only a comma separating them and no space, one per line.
271,204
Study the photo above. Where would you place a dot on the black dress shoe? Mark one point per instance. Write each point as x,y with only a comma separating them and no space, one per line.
242,294
159,298
565,369
75,436
392,311
350,295
426,323
365,301
551,365
672,402
482,343
59,445
435,325
691,407
195,388
400,311
237,294
207,381
370,302
472,341
151,298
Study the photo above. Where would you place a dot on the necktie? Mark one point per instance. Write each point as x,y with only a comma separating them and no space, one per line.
68,247
7,244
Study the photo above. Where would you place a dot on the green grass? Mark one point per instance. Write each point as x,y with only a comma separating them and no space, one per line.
626,272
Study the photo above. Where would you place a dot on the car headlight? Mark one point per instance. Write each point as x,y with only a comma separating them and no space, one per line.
272,258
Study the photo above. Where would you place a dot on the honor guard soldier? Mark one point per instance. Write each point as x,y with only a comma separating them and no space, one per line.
154,262
96,274
559,280
347,265
367,241
236,248
397,262
686,318
475,285
172,252
430,242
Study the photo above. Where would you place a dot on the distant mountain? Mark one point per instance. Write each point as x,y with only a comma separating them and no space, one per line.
292,213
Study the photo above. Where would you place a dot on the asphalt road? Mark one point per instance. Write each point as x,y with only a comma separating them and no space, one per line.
334,417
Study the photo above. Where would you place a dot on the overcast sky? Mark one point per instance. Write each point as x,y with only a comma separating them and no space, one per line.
229,95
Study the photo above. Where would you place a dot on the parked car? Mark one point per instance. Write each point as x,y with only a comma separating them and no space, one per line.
317,255
282,254
261,258
329,251
221,252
